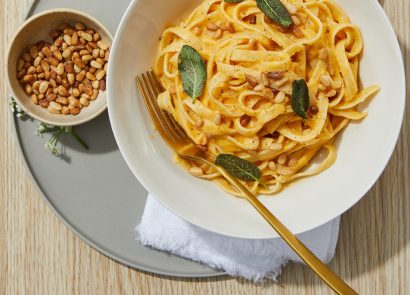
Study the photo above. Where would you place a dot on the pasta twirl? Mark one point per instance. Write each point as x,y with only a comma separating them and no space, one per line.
251,62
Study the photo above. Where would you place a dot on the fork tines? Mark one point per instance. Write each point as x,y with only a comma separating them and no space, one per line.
150,88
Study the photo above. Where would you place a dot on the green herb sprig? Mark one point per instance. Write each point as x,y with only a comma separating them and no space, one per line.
300,98
57,132
192,70
276,11
42,128
238,167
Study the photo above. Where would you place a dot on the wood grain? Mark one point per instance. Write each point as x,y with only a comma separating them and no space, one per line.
38,255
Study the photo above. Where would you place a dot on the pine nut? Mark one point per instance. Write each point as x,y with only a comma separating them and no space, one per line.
218,34
75,111
37,61
31,70
100,74
197,31
251,80
86,58
80,76
43,87
326,80
96,84
84,101
80,26
53,61
57,54
20,64
292,162
212,27
74,39
259,88
34,98
46,51
230,28
88,90
62,91
62,100
53,110
60,69
87,37
67,39
67,53
296,20
95,94
96,53
65,110
56,105
90,76
102,85
280,97
28,89
268,93
283,159
95,64
292,9
331,93
272,165
27,57
245,119
275,75
71,78
96,37
196,171
275,147
21,74
102,45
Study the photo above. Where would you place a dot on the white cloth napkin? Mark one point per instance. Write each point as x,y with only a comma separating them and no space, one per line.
252,259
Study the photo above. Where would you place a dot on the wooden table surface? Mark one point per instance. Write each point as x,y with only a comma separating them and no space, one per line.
39,255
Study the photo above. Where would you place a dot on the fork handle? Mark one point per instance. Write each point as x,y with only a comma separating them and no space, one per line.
324,272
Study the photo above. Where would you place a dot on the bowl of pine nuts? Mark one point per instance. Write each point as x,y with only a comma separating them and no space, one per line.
56,67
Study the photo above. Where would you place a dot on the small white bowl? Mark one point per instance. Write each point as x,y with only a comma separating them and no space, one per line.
363,149
38,28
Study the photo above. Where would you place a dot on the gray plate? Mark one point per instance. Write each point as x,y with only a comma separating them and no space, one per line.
93,192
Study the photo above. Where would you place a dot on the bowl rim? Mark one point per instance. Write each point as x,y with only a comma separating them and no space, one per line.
23,26
355,197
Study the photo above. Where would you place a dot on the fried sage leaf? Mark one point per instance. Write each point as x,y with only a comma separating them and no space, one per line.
238,167
276,11
192,69
300,98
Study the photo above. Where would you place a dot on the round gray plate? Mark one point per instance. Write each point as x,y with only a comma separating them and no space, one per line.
93,192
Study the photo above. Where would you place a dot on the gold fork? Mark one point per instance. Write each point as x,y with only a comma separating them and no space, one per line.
177,139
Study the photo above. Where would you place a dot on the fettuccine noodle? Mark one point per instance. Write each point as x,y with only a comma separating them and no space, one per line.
245,108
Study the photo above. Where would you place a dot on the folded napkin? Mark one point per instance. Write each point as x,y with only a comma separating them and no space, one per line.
252,259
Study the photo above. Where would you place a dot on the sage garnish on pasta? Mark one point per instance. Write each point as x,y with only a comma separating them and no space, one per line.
233,1
276,11
238,167
192,69
300,98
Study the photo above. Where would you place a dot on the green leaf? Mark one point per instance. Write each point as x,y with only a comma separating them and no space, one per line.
233,1
300,98
238,167
192,69
276,11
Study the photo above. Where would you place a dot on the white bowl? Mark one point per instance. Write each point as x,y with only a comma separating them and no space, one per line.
364,149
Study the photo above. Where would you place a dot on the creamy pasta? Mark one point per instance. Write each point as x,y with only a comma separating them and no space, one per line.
251,62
